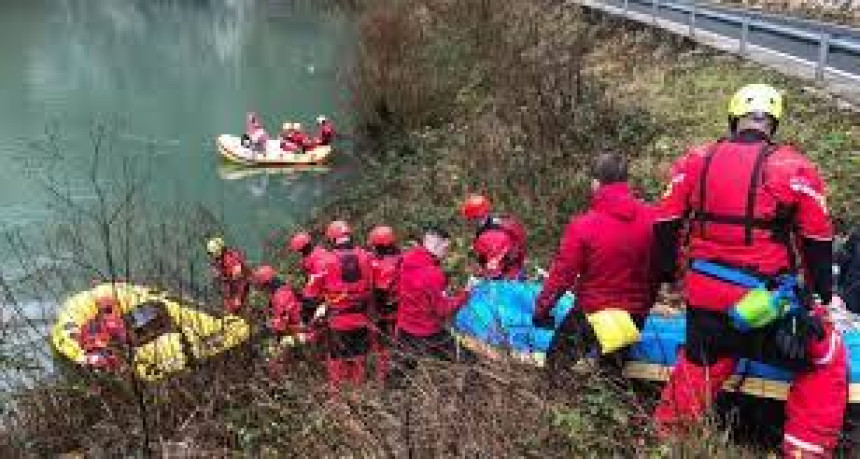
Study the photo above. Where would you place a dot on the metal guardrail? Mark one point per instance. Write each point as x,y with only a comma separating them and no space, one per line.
826,37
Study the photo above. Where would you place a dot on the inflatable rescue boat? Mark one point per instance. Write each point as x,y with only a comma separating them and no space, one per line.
165,334
231,149
497,321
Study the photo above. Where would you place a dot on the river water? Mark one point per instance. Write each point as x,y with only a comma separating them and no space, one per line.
166,77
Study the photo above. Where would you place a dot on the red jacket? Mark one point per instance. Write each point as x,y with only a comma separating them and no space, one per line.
604,255
424,305
500,248
386,270
788,183
230,266
325,135
285,309
313,265
232,272
99,332
346,286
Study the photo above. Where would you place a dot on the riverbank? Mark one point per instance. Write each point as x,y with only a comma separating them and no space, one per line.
506,97
465,107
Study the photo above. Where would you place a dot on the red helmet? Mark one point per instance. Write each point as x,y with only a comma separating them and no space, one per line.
299,241
337,229
263,275
476,206
381,235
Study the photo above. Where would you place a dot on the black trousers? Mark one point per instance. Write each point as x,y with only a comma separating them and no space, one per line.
710,335
345,344
575,339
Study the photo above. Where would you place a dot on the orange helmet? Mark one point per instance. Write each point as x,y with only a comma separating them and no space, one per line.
337,229
299,241
381,235
476,206
263,275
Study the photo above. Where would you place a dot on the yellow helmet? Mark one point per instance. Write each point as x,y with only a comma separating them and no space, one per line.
756,98
215,246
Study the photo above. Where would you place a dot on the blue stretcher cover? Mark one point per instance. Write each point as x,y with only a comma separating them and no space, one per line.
497,319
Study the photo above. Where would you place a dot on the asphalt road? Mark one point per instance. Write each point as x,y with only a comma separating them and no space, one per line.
841,60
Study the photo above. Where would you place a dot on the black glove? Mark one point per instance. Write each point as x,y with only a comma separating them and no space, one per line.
793,333
543,320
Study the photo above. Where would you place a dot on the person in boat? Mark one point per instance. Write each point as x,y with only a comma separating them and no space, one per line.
283,312
299,138
255,136
345,286
103,336
500,240
325,132
755,205
848,261
603,258
424,304
287,144
230,269
382,243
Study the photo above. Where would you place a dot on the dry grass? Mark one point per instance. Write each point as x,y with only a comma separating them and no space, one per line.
507,97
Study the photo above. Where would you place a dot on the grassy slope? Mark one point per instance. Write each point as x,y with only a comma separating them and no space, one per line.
646,94
453,96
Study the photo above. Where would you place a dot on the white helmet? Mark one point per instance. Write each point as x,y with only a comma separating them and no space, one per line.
321,119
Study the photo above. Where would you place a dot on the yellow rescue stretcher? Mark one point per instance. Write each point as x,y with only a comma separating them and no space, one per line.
188,334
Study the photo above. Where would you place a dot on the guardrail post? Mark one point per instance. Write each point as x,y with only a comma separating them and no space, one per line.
823,52
654,6
693,8
745,34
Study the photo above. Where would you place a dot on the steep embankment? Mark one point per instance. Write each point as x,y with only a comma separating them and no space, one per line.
512,99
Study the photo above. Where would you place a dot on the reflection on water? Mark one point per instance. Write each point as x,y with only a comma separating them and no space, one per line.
172,75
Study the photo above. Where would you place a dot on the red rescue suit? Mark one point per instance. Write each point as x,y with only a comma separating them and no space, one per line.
299,138
423,302
96,337
231,270
325,134
753,204
345,286
313,265
385,274
603,256
285,310
285,319
500,246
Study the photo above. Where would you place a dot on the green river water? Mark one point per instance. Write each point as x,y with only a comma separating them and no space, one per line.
169,75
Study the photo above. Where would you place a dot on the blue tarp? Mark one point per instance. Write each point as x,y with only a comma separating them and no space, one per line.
499,314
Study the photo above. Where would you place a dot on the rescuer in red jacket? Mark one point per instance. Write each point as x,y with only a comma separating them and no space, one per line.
326,132
386,266
500,240
754,205
102,336
346,289
604,259
229,267
284,314
312,264
424,303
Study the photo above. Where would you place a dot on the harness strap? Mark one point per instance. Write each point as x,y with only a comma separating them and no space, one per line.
748,220
755,181
728,274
